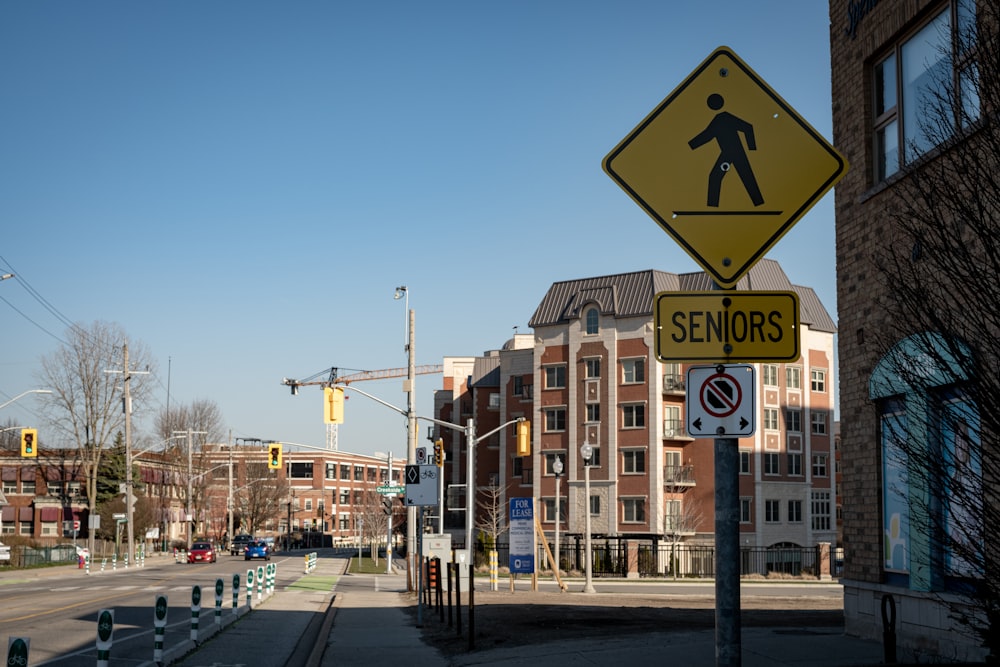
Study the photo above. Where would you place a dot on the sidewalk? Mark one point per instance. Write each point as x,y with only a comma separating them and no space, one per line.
371,628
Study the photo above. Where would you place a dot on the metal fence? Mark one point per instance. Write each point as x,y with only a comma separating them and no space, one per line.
665,560
23,556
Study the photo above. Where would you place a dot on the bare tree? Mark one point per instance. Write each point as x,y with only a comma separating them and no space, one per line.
937,381
375,521
262,499
491,515
201,415
86,406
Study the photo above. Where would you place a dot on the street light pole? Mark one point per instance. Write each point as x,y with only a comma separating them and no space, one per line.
557,469
587,452
411,430
25,393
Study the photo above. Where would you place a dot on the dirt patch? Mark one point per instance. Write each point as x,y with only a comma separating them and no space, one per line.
524,617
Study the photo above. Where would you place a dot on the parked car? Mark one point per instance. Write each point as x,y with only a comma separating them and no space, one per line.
4,552
239,543
257,550
202,552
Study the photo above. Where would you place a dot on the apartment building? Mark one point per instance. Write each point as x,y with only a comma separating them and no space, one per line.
588,374
914,111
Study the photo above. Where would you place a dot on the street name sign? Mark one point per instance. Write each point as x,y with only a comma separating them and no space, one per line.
721,401
390,490
421,485
726,326
725,166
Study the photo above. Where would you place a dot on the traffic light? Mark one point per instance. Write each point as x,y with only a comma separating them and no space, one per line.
524,438
274,456
333,405
29,442
439,452
387,504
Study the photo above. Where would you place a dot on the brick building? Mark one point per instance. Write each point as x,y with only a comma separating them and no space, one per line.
906,92
588,373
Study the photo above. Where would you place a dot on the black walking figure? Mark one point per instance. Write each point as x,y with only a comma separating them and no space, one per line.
725,128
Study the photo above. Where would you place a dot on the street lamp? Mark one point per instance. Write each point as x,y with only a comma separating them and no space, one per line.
411,430
587,452
23,394
557,469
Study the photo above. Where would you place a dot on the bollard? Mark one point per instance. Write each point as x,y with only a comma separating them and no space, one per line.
220,586
104,561
260,582
250,589
236,593
114,562
105,635
159,627
17,650
889,628
195,611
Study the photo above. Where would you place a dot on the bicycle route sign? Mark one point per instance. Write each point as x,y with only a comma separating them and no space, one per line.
721,401
421,485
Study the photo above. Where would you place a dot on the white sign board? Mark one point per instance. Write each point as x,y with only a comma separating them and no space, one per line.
721,401
421,485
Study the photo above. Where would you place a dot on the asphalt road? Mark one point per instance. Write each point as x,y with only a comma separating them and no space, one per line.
58,607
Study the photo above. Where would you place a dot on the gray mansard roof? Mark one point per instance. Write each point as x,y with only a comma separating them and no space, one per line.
631,294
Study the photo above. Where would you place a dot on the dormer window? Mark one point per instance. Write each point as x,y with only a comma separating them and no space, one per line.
592,320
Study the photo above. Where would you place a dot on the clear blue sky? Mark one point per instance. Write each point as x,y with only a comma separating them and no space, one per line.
242,185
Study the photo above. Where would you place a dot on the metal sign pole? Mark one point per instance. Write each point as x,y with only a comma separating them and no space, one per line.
727,553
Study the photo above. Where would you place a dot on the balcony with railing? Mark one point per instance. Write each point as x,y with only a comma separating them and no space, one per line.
675,429
678,476
673,383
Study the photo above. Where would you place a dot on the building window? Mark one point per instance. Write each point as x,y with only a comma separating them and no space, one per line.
593,320
54,488
817,379
28,487
345,471
793,377
549,507
771,419
359,473
50,528
820,510
772,511
9,486
372,474
345,496
793,420
770,373
595,457
772,463
634,416
309,504
795,465
331,471
494,401
593,412
344,522
818,420
555,420
633,371
745,457
925,88
819,465
673,425
633,461
635,510
516,467
746,509
518,388
595,505
301,470
674,520
555,377
794,511
592,368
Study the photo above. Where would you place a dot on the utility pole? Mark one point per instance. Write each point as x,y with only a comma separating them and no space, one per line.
129,491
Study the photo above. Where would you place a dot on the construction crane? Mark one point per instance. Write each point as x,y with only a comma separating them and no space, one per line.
332,376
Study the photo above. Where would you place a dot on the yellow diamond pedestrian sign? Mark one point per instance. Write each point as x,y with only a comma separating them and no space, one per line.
725,166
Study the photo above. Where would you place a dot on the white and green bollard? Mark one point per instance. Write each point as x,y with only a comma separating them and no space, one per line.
105,635
195,611
114,562
17,650
250,589
159,627
86,563
236,593
260,582
220,586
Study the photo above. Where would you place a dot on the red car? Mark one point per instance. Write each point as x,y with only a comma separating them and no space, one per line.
202,552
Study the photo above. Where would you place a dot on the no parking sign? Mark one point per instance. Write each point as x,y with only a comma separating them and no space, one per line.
721,401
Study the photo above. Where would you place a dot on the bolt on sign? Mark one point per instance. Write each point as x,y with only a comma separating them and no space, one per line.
725,166
726,326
